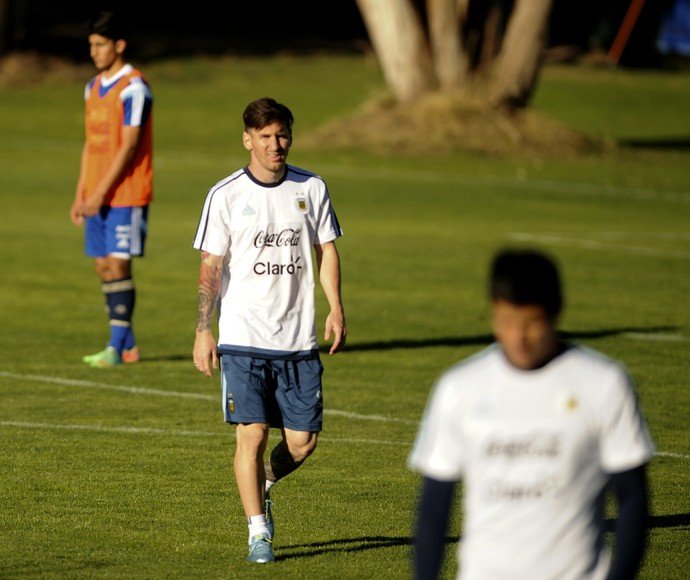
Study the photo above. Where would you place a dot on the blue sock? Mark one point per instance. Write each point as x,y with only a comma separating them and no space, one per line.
117,337
120,297
129,342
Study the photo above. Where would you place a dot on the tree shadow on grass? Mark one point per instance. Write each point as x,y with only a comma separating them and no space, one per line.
658,143
679,521
477,340
349,545
485,339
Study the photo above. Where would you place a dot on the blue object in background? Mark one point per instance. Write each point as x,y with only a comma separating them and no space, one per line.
674,34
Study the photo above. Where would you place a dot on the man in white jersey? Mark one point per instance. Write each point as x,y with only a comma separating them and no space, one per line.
537,429
258,231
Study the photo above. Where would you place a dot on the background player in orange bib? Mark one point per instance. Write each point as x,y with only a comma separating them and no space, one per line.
115,183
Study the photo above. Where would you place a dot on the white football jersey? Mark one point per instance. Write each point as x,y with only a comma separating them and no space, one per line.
533,450
266,234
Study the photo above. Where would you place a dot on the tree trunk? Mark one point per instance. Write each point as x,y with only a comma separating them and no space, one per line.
469,40
398,38
450,62
517,65
4,26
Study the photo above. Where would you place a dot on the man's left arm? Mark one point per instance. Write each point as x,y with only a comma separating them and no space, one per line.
433,514
328,264
630,488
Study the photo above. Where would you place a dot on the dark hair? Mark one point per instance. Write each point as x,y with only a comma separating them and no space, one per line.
526,277
266,111
108,24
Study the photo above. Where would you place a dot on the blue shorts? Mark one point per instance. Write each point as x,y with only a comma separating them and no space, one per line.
282,393
116,231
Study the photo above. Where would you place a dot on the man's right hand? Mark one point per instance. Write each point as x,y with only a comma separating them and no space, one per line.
205,352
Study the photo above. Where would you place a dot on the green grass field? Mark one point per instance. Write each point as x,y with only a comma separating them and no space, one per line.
127,473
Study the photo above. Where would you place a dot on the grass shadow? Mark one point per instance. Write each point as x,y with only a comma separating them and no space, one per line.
657,143
477,340
348,545
485,339
678,521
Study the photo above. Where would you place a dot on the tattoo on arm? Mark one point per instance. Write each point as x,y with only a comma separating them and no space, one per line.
209,290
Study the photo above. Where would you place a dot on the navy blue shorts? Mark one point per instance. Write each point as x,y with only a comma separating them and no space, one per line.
282,393
116,231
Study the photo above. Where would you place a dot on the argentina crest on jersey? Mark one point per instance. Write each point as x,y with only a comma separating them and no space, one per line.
301,201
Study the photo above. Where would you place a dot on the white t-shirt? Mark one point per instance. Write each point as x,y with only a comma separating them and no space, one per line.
266,234
533,449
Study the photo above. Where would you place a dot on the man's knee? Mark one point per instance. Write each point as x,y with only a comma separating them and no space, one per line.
252,436
119,268
289,454
110,268
302,448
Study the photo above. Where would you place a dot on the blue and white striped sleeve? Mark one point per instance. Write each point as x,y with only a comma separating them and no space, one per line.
137,100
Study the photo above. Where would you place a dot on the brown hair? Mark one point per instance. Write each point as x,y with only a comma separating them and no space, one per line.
266,111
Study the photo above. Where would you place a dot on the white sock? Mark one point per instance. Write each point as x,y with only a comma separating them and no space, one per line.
257,526
269,484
